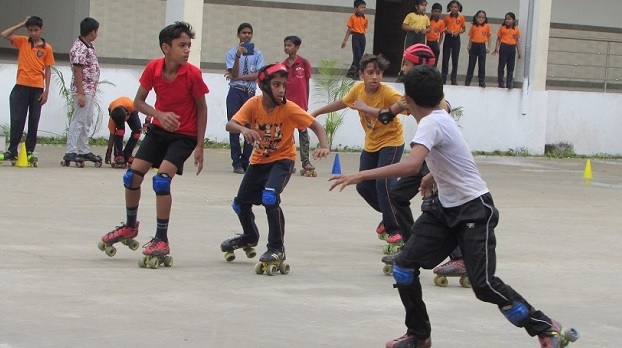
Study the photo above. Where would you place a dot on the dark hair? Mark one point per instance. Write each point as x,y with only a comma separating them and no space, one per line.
417,3
437,6
174,31
477,14
378,60
454,2
118,114
358,3
513,16
88,25
294,39
424,85
245,25
34,21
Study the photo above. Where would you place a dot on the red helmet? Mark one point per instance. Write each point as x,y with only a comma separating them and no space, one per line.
269,70
420,54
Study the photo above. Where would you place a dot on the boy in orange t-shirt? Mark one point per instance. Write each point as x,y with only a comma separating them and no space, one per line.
272,122
357,26
436,34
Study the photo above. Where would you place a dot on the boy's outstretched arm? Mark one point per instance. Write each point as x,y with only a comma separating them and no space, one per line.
201,125
407,167
332,107
323,150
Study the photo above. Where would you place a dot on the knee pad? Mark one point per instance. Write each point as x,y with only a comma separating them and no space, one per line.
269,197
136,135
403,276
128,177
119,132
236,207
162,184
515,313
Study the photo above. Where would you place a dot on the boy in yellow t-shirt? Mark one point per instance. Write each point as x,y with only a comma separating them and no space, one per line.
384,143
272,122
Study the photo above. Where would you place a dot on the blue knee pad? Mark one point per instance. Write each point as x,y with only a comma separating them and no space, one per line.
403,276
516,313
236,207
128,177
162,184
269,197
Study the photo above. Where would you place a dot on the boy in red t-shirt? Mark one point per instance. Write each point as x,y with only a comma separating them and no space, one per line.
298,76
178,129
272,122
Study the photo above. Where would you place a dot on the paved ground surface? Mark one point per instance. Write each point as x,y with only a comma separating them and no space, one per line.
558,244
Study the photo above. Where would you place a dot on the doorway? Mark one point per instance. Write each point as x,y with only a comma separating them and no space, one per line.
388,33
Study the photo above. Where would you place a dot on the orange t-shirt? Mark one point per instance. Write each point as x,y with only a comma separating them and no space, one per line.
479,33
358,24
436,28
125,102
508,36
31,61
275,128
454,24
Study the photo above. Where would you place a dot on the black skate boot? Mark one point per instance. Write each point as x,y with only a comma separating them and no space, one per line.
389,260
91,157
271,262
72,157
8,156
237,242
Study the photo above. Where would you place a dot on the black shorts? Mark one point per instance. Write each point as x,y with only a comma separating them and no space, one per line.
159,145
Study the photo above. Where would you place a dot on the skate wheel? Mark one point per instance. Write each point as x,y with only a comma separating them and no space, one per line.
142,262
133,245
250,252
387,270
571,334
229,256
101,246
168,261
284,268
383,236
465,282
35,164
259,268
110,251
154,263
63,164
98,164
314,174
271,270
440,281
386,249
302,172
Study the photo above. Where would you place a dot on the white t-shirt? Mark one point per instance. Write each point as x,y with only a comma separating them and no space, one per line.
450,159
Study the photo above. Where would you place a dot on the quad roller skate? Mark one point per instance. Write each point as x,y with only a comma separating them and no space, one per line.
119,162
33,160
394,243
382,234
308,170
272,262
389,260
7,156
72,157
556,337
452,268
90,157
156,253
409,341
121,234
237,242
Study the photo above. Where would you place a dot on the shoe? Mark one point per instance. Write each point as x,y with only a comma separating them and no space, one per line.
451,267
90,157
8,156
239,170
156,247
501,85
483,85
391,257
71,157
394,238
454,83
107,158
272,256
120,233
409,341
467,84
555,337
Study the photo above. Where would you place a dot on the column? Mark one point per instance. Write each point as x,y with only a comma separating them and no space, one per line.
190,11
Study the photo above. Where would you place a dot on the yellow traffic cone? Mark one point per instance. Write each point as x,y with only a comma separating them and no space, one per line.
587,173
22,157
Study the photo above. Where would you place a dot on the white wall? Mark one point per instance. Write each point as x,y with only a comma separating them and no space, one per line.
494,119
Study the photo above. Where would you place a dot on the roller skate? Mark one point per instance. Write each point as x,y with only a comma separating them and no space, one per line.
123,234
556,337
237,242
394,243
452,268
119,162
107,158
33,160
308,170
72,157
156,252
382,234
389,260
271,262
97,160
8,156
409,341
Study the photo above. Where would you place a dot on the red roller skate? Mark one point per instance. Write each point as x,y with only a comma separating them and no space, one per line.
556,337
308,170
119,162
452,268
409,341
123,234
395,243
156,252
382,234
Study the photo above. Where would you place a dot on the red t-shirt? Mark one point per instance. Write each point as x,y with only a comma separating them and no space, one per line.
298,77
178,96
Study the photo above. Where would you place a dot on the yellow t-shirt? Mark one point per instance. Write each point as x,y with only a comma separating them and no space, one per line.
417,21
276,129
377,135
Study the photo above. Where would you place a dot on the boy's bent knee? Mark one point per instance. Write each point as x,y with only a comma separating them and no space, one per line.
270,198
129,177
162,184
